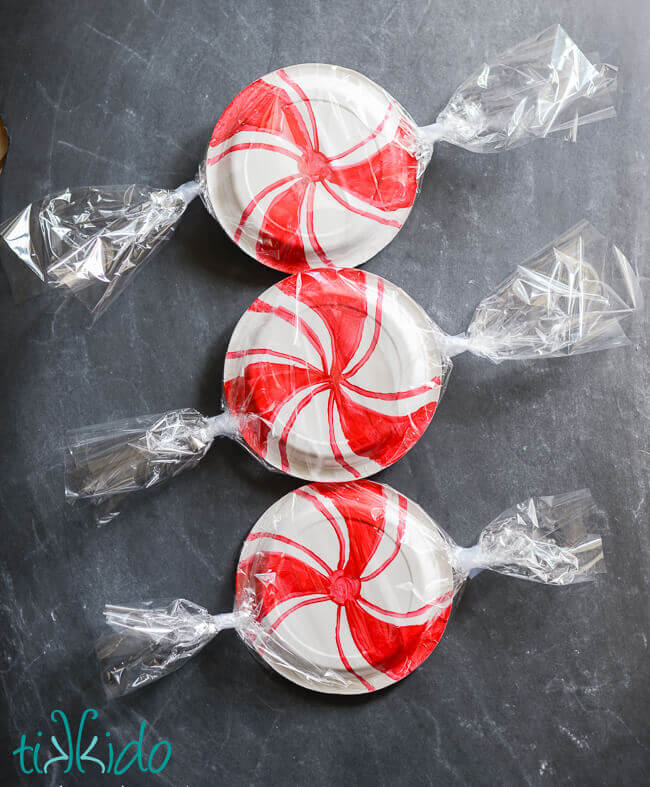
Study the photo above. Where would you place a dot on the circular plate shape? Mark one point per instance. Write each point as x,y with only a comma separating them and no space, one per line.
350,586
310,166
333,375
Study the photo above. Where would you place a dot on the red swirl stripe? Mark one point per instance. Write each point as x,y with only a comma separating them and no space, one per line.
385,179
394,649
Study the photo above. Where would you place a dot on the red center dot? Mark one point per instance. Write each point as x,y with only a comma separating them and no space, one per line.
343,588
315,166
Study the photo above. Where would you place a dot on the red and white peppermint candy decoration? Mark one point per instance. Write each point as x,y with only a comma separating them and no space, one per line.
311,166
333,375
350,586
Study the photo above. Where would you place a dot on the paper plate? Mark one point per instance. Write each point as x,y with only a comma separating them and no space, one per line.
350,586
333,375
312,165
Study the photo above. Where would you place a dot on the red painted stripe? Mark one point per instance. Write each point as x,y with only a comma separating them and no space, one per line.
323,510
367,139
342,655
282,445
403,505
402,615
334,445
341,201
375,335
292,319
296,607
253,146
277,354
256,199
304,97
310,227
386,397
291,542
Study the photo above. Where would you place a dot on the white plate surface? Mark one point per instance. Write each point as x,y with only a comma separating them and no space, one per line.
333,375
356,586
312,165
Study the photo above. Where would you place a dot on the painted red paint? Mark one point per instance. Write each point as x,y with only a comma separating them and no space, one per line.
271,578
385,179
264,387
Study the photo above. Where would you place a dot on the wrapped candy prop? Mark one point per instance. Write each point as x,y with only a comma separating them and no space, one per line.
333,375
347,588
310,166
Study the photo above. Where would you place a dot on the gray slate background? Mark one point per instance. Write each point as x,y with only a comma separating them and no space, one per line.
530,684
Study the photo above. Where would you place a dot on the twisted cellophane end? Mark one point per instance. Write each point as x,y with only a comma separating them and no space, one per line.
105,462
153,639
540,86
543,539
90,241
573,297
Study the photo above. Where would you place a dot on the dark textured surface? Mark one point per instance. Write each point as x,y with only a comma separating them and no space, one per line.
530,684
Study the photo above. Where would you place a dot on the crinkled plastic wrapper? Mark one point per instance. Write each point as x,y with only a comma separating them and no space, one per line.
333,375
347,588
90,241
310,166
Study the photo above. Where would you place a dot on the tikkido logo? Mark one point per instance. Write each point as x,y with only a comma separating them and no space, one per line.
75,751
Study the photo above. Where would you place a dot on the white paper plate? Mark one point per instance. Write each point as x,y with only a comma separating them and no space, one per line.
333,375
312,165
351,585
